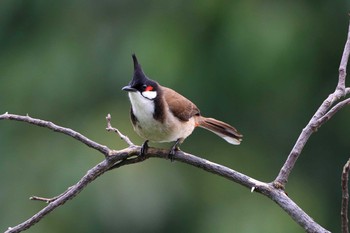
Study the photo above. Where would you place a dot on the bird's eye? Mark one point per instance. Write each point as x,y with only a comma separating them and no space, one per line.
144,86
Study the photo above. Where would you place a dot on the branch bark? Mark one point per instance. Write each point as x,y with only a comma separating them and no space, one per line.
345,198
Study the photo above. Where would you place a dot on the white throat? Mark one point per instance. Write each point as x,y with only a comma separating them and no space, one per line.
143,108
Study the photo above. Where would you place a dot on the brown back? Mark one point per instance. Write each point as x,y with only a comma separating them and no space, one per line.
180,106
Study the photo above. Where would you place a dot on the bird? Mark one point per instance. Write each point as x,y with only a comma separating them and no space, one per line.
160,114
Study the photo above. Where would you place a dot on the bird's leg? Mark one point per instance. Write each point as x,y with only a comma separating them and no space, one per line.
174,149
144,148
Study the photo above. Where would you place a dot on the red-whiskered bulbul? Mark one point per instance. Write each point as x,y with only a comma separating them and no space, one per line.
160,114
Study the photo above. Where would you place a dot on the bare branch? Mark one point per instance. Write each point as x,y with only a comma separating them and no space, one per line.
47,124
345,198
343,64
331,113
91,175
122,136
48,200
322,115
116,159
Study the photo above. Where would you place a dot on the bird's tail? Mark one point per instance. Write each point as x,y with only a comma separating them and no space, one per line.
222,129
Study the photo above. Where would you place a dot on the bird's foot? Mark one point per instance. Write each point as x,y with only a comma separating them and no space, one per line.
175,148
144,148
172,153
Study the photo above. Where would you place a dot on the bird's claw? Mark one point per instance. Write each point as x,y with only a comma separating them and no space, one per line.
144,148
172,153
175,148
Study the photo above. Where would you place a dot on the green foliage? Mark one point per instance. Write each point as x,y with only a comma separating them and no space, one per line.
270,64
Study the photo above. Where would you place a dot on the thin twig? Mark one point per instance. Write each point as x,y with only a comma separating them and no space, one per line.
345,198
331,113
44,199
315,123
49,200
91,175
122,136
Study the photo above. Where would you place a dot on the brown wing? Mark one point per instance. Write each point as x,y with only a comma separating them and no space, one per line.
181,107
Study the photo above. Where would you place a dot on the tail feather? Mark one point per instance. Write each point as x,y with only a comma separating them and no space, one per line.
222,129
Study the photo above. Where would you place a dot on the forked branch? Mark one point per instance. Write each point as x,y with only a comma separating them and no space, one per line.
129,155
323,114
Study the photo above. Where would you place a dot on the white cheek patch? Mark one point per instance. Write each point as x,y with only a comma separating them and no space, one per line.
150,94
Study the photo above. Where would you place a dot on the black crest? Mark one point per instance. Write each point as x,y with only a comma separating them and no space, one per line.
139,78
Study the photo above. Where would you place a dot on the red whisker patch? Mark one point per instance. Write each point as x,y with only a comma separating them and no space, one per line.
149,88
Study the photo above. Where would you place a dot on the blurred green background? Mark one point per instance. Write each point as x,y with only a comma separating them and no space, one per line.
270,64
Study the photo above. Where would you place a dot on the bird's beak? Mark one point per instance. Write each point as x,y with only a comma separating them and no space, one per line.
129,88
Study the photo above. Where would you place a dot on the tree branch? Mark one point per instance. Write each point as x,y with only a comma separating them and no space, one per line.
110,128
345,198
331,113
47,124
321,116
116,159
343,64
